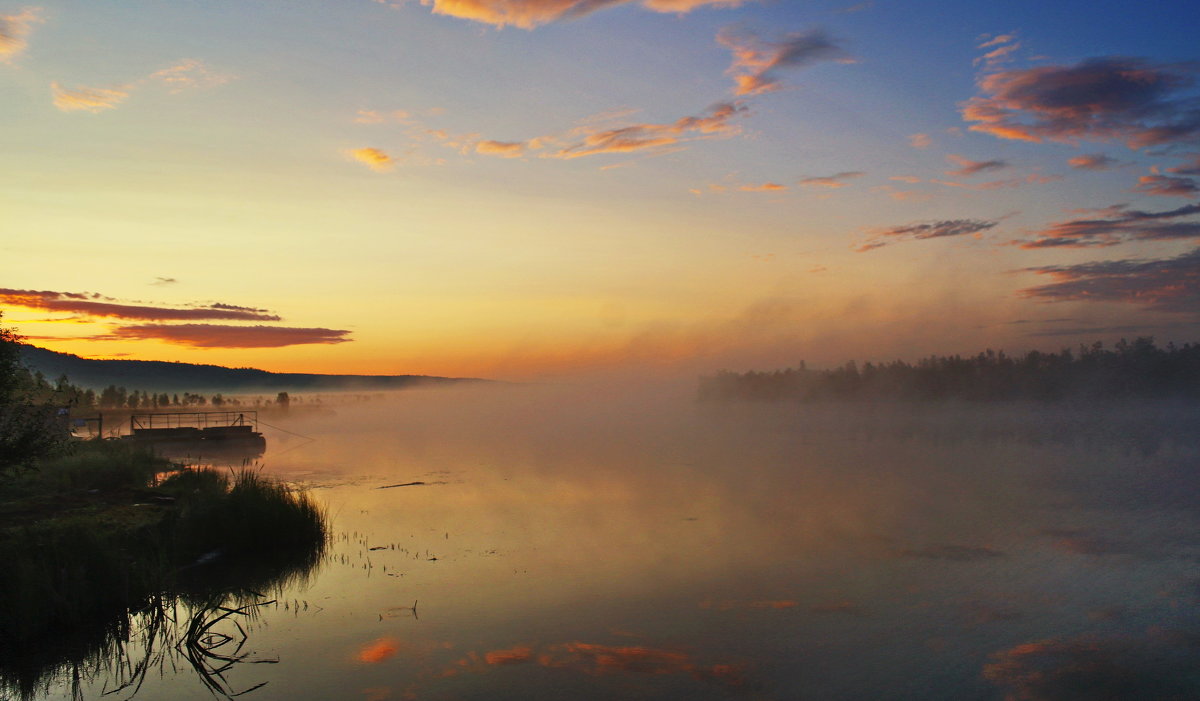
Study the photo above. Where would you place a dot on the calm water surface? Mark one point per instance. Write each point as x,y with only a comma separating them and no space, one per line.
568,544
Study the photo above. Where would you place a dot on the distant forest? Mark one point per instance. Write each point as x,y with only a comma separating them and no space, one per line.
1137,369
157,377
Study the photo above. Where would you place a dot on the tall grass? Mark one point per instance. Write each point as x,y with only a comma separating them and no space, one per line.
71,580
87,465
252,514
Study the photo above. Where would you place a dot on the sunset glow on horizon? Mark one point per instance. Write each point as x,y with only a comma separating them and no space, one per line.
522,189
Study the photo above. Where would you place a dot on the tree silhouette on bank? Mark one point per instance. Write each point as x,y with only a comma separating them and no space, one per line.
1129,370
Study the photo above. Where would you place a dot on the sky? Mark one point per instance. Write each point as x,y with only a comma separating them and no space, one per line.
534,189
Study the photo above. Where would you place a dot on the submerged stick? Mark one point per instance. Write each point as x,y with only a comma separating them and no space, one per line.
406,484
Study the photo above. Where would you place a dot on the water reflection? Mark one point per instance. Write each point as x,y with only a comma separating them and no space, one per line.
203,622
588,545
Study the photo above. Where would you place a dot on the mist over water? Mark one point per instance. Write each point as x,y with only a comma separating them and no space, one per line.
594,542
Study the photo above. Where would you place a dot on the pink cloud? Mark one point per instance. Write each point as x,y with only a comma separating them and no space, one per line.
528,14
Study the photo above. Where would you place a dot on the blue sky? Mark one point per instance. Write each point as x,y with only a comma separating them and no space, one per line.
666,184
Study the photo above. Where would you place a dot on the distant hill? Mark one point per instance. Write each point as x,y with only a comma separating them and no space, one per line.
158,376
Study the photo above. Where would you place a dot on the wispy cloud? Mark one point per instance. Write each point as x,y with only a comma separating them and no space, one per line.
920,140
953,553
903,195
1165,284
528,14
503,149
1006,183
1117,224
1093,161
757,63
926,230
226,336
594,138
376,159
831,181
590,141
1099,99
97,306
1166,186
81,99
684,6
1001,49
1192,168
15,31
1158,664
762,187
189,73
967,167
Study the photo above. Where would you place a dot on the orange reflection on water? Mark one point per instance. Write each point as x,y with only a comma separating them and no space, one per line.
607,658
730,605
593,658
378,650
514,655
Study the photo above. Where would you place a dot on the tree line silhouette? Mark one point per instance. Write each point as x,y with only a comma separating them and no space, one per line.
36,389
1137,369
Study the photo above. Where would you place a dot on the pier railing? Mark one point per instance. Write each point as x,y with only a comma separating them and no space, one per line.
193,419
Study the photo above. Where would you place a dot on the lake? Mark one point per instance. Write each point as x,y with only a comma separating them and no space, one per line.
582,542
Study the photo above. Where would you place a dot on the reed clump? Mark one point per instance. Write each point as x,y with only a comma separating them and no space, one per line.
89,538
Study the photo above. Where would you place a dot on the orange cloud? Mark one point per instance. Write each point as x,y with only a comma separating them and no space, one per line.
756,63
1099,99
378,650
602,134
1006,45
375,159
920,140
717,122
83,99
1030,179
1092,161
14,30
1159,664
189,73
1167,186
223,336
503,149
95,305
832,181
968,167
762,187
